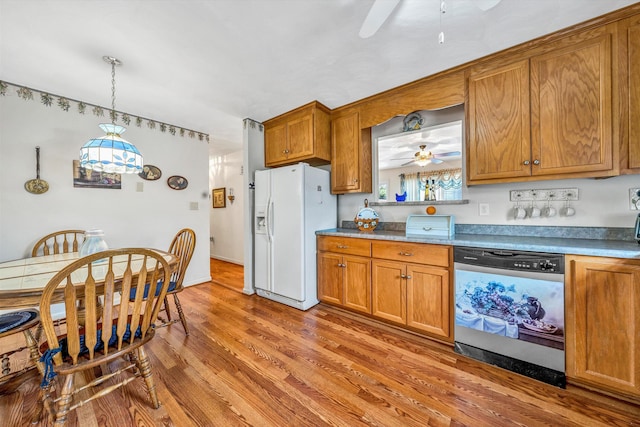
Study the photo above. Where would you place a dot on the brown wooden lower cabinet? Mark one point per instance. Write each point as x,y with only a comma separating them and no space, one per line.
345,280
415,294
602,324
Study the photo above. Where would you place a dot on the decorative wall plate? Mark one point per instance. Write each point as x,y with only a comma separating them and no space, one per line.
177,182
412,121
150,173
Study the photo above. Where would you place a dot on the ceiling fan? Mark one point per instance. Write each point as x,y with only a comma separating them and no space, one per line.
424,157
382,9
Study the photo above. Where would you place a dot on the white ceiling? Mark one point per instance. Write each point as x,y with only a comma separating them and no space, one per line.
207,64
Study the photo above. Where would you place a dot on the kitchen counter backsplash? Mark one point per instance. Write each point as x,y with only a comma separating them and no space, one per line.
592,233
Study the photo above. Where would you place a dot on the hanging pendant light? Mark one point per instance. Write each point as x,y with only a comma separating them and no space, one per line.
110,153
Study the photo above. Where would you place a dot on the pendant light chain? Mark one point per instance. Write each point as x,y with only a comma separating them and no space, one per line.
113,91
443,10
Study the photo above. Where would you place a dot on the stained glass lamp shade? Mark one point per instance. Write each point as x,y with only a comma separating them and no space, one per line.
110,153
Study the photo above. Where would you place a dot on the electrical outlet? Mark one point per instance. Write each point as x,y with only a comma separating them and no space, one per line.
483,209
634,199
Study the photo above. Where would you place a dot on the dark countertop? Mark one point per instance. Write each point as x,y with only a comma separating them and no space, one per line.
562,245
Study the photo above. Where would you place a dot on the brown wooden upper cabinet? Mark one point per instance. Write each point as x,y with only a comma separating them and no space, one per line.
301,135
350,155
629,61
547,116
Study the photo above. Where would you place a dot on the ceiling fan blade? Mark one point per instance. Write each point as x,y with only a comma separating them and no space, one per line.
449,154
408,163
436,161
485,5
379,12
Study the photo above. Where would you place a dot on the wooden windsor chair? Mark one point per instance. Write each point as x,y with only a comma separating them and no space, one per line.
109,328
13,323
59,242
182,246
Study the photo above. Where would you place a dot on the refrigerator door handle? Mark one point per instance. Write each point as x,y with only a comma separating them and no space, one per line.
268,214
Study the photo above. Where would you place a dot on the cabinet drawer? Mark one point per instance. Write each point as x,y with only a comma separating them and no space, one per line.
344,245
412,252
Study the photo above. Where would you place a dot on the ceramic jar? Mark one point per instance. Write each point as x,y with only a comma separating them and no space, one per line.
93,242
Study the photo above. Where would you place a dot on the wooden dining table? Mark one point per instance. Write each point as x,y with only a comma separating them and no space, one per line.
22,281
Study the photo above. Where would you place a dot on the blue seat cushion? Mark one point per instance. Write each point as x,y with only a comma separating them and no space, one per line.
16,319
132,294
99,345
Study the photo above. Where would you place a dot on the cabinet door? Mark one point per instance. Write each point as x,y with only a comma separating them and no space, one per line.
350,155
389,288
429,299
275,144
499,123
357,283
330,272
631,90
571,104
603,323
300,137
345,145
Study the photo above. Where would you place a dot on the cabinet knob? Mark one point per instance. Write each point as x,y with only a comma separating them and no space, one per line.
536,162
403,276
342,265
408,276
405,254
342,246
355,180
526,163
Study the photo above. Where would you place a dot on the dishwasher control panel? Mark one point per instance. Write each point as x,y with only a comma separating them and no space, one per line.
510,260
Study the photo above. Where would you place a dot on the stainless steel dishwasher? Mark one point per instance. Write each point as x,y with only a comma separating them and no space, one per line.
509,310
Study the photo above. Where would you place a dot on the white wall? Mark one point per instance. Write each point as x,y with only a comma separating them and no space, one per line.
603,203
226,224
129,218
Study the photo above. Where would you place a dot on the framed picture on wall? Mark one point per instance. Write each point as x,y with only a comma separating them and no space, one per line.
88,178
177,182
219,196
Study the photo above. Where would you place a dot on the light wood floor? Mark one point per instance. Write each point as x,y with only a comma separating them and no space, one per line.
227,274
251,361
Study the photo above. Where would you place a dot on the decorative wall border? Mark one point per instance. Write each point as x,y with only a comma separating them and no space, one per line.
252,124
64,103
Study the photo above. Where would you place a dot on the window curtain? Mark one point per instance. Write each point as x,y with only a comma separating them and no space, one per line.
445,183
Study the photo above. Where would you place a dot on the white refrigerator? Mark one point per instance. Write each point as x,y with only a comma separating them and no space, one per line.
291,204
